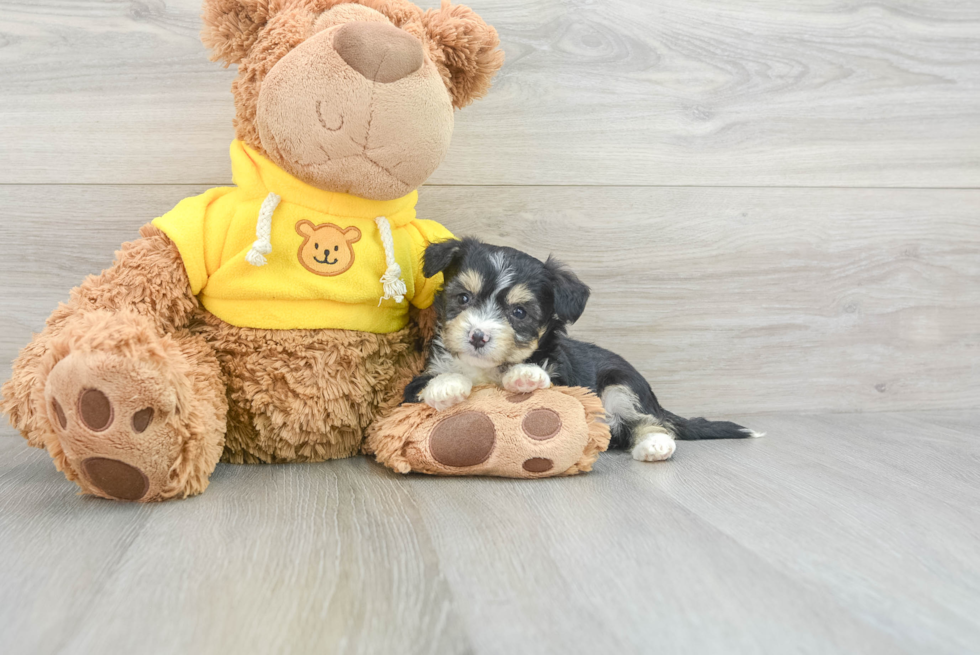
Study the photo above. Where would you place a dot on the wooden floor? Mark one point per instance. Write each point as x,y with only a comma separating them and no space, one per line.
832,534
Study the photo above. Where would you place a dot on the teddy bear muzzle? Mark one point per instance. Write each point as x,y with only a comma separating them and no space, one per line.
378,51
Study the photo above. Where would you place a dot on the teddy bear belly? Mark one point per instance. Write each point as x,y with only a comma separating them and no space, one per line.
307,395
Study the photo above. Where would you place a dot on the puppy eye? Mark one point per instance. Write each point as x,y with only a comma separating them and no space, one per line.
519,312
463,298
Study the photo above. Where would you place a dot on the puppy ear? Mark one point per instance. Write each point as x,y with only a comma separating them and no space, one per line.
231,27
571,293
467,53
439,256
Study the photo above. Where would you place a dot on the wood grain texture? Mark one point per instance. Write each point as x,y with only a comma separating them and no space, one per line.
676,92
728,300
833,534
276,559
836,480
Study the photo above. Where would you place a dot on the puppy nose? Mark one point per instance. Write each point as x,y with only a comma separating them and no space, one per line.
380,52
478,339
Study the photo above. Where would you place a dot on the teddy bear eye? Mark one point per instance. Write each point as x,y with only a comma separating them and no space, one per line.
316,245
336,248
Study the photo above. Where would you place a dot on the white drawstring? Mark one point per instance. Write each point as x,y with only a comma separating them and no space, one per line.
391,281
263,232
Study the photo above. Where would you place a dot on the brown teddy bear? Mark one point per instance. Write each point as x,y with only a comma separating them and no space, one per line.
276,320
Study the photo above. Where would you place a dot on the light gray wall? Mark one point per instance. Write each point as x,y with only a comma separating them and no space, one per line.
776,204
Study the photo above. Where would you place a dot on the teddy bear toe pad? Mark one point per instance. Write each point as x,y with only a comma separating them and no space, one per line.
110,415
95,410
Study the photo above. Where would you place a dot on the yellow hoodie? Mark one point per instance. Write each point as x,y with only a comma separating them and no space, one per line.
274,252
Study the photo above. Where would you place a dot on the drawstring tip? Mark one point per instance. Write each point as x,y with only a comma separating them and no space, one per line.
391,282
393,285
255,258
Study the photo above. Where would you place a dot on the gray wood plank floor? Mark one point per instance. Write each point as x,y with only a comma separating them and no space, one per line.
848,533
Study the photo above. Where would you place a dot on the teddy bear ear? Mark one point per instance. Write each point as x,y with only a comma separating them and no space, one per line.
231,27
467,53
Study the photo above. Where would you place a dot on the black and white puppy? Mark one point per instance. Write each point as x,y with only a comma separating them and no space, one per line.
502,318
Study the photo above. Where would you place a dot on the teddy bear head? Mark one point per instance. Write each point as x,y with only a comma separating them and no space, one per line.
354,97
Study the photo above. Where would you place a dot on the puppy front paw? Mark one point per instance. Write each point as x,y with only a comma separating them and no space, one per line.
446,390
525,378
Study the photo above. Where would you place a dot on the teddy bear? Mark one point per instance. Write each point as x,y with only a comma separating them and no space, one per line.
277,320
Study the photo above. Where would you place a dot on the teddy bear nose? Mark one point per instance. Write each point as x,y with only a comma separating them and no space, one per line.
378,51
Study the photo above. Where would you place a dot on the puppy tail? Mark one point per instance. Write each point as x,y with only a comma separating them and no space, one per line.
694,429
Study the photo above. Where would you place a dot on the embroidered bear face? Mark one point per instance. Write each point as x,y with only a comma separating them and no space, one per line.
326,249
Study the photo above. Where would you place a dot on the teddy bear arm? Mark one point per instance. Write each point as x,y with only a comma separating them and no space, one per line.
147,277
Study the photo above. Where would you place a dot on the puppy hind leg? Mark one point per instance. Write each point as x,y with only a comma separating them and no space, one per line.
648,438
652,443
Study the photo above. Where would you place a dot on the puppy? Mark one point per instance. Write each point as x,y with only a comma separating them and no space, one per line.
502,318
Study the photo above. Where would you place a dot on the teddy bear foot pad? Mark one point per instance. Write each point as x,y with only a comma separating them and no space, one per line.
547,433
111,414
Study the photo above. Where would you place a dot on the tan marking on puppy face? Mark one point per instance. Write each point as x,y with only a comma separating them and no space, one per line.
519,293
521,354
327,249
456,336
471,281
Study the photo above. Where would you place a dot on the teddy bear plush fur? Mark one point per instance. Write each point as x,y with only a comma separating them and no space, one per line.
133,387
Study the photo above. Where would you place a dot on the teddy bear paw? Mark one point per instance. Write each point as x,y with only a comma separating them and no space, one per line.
529,435
111,417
